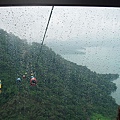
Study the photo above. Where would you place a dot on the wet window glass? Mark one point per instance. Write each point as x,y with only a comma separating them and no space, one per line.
59,63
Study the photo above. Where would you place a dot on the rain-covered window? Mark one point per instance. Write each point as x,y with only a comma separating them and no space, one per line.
59,63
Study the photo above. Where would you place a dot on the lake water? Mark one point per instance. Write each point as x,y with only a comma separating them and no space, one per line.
101,60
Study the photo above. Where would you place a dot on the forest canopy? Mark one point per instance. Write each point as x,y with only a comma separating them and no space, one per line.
64,91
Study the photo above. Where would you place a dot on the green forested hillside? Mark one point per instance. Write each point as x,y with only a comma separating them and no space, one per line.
65,90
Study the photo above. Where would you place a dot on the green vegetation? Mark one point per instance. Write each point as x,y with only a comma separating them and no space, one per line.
65,90
99,117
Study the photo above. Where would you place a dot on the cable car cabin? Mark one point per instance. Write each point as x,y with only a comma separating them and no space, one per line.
33,81
0,85
32,74
24,76
18,80
25,73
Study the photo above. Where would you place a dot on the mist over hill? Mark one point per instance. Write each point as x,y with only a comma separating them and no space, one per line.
78,46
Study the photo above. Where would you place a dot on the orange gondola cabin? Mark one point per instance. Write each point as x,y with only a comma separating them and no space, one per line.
0,86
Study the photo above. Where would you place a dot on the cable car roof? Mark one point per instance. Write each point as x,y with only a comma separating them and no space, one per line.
100,3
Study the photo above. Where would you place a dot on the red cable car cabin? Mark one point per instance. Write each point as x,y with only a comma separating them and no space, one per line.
33,81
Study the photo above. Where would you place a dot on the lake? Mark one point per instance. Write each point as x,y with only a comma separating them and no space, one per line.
101,60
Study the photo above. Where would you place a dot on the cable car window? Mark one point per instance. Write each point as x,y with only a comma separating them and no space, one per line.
66,59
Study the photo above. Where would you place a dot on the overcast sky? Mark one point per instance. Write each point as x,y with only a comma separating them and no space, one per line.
67,23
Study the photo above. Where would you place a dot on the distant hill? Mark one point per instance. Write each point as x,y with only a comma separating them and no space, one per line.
67,47
65,90
78,46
